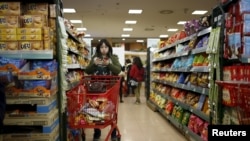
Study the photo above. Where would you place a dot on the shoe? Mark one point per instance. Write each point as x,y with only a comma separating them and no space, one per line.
96,139
121,101
137,102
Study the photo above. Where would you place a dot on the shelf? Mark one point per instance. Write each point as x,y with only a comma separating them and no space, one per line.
172,56
200,69
239,83
31,54
193,88
72,36
192,134
185,106
199,50
205,31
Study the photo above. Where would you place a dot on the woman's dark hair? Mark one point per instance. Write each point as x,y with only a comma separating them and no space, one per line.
127,61
137,61
106,42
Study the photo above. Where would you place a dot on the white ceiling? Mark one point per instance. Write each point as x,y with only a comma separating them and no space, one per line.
106,18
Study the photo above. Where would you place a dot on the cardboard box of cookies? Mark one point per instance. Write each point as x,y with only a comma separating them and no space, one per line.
5,31
29,37
30,45
32,21
10,8
10,37
9,21
29,31
36,8
8,45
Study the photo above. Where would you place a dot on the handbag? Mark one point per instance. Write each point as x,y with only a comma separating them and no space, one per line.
133,82
96,87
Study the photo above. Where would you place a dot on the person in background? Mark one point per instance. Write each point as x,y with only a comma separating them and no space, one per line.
122,74
128,65
104,62
137,73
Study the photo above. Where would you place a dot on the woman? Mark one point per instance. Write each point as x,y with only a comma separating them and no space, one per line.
104,62
137,73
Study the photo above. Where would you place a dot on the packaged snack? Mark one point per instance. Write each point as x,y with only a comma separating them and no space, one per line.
185,118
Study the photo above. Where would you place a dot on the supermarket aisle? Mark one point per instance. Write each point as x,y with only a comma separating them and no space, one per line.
140,123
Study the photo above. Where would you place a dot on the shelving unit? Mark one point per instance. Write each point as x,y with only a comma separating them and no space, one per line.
168,89
32,111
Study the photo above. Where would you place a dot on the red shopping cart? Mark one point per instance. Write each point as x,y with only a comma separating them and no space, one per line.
239,95
94,104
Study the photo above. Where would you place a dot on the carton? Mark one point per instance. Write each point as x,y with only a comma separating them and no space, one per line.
30,45
8,31
9,21
8,45
10,8
29,31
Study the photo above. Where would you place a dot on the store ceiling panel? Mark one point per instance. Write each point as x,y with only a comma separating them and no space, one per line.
106,18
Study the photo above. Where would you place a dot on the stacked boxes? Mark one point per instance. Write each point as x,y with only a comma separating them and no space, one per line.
31,112
26,27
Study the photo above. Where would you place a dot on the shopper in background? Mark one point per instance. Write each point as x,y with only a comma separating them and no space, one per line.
128,65
122,74
104,62
137,73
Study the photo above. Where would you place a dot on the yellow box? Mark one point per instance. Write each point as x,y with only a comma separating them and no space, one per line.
9,45
52,10
9,21
29,31
8,37
29,37
10,8
37,8
30,45
31,21
7,31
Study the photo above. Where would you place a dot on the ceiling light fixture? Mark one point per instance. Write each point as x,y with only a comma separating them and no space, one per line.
125,35
69,10
199,12
172,29
127,29
135,11
163,36
87,35
182,22
76,21
130,22
139,41
81,29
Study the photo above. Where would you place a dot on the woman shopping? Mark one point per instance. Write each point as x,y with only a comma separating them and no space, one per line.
137,74
104,62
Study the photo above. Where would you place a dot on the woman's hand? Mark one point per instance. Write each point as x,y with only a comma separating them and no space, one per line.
98,61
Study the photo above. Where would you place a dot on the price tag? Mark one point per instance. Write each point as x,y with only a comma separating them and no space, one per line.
191,110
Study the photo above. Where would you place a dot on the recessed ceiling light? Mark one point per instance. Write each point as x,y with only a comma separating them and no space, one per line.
139,41
87,35
127,29
163,36
125,35
69,10
81,29
76,21
130,22
172,29
199,12
123,39
181,22
135,11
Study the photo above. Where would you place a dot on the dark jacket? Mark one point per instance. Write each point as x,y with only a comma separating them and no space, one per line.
2,106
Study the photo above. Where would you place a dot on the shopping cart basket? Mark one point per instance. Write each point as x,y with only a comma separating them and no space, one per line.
239,94
94,103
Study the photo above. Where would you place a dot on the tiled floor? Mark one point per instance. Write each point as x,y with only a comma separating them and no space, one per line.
140,123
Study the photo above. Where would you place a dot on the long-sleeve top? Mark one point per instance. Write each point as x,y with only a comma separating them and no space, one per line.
114,68
136,73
